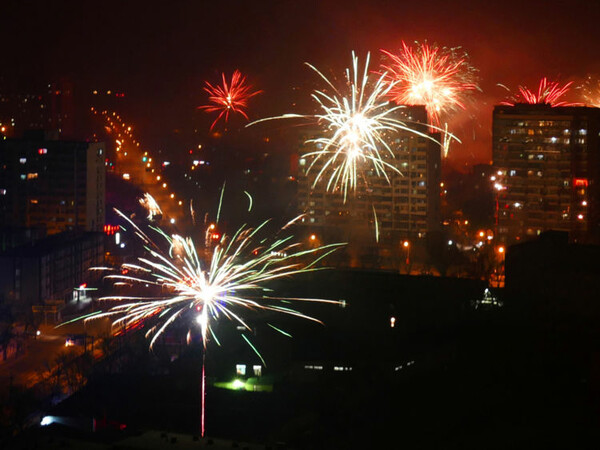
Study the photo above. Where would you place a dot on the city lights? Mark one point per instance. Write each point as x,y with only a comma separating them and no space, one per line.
274,241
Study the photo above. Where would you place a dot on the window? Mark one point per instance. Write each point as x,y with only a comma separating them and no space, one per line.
22,160
240,369
257,369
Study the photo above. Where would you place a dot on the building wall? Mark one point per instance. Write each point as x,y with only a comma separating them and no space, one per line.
57,184
95,187
48,271
546,169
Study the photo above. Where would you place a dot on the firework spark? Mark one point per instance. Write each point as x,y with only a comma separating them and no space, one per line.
549,92
233,278
148,202
229,97
591,91
357,121
439,78
222,283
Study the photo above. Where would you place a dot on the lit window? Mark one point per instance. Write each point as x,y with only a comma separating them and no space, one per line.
302,162
23,160
512,173
257,370
23,176
2,191
583,132
240,369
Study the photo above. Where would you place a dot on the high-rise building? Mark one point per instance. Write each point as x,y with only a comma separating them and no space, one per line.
47,106
52,183
43,275
546,171
404,206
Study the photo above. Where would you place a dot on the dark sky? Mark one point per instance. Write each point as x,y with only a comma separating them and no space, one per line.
160,53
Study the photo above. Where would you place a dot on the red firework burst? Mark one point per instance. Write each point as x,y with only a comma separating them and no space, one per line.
229,97
549,92
439,78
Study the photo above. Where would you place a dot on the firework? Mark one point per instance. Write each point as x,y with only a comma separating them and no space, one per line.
591,91
148,202
549,92
226,280
439,78
229,97
356,120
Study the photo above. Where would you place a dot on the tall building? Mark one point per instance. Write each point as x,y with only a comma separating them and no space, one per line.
406,207
49,106
52,183
46,272
547,171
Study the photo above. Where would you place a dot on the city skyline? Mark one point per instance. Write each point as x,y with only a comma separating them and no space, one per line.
161,59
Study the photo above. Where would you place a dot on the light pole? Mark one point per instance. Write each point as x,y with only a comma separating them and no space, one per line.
406,246
500,279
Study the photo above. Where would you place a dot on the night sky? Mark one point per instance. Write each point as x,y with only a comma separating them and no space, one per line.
160,53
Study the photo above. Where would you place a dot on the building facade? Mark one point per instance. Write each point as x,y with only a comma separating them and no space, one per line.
45,273
547,171
52,183
404,206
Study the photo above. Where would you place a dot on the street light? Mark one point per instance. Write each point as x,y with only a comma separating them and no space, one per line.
501,251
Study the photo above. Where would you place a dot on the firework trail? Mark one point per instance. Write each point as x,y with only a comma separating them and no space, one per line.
223,282
232,279
148,202
356,120
549,92
439,78
229,97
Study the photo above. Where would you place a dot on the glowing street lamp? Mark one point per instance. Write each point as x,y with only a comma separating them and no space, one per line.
406,246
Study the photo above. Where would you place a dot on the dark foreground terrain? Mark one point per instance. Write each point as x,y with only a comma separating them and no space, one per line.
490,378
